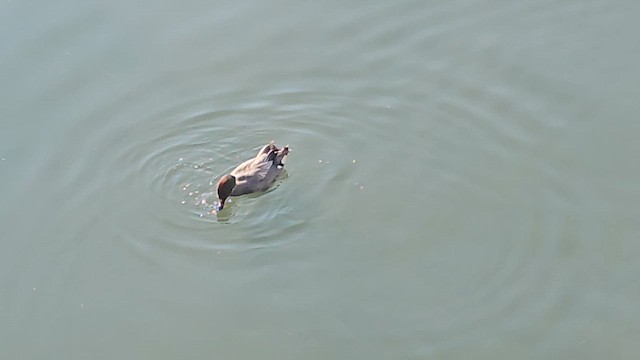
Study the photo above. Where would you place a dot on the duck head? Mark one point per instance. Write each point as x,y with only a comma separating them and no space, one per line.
225,186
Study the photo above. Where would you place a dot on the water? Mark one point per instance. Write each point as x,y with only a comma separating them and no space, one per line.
463,181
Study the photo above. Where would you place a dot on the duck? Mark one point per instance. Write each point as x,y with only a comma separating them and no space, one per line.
253,175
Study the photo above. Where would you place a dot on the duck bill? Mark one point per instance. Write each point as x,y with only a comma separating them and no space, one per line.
221,205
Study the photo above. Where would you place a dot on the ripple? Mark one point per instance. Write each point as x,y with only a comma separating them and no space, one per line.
435,167
479,137
179,159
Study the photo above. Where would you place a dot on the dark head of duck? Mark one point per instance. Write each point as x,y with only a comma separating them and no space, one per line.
225,187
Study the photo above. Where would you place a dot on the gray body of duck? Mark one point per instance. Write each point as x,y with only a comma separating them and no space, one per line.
253,175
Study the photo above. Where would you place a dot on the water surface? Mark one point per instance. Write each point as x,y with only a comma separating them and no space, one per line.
462,183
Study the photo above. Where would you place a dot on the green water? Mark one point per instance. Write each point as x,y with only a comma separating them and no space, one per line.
463,182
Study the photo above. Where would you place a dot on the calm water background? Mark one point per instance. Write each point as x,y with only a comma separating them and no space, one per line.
463,182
